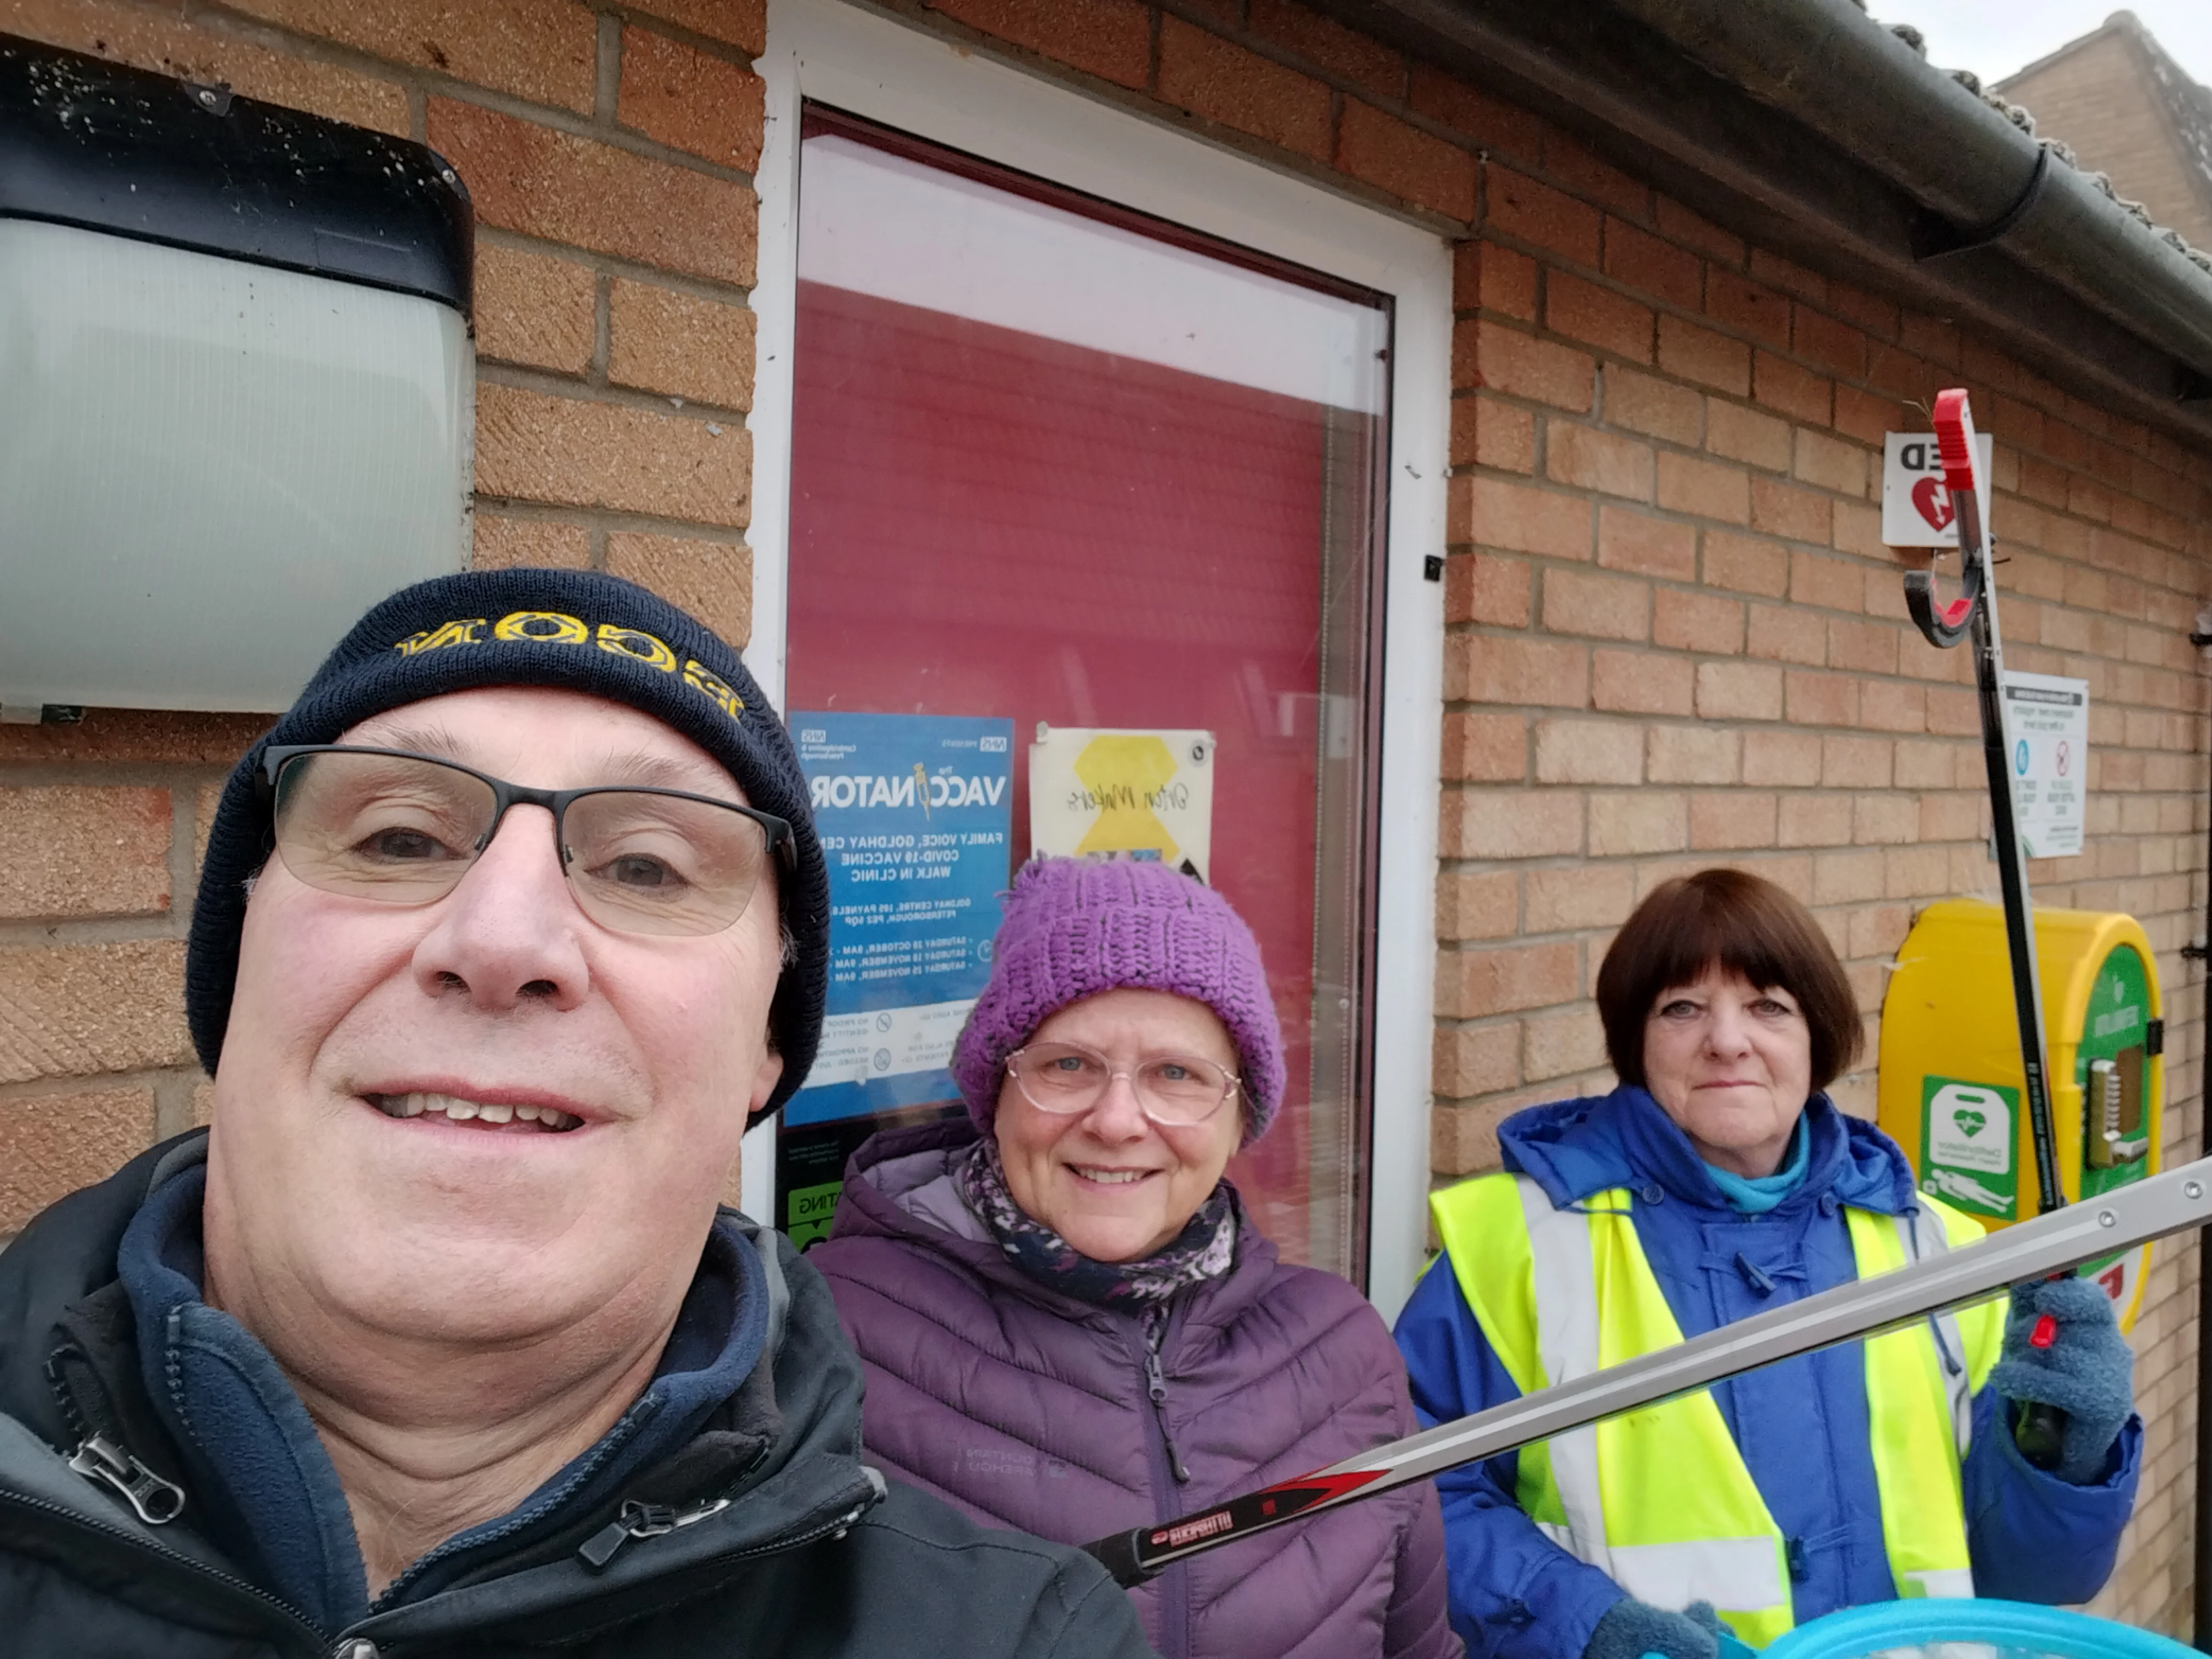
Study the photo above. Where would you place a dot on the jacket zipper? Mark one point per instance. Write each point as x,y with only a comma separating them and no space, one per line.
1168,1473
100,1456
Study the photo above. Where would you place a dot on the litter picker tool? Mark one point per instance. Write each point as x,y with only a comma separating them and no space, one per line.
1973,616
2050,1244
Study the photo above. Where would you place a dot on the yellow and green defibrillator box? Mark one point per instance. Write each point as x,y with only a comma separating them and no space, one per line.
1950,1080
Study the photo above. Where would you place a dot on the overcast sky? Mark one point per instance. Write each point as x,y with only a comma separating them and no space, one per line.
1994,38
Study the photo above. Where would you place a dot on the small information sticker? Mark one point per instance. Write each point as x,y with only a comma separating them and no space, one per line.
1966,1144
1145,795
2047,726
1916,507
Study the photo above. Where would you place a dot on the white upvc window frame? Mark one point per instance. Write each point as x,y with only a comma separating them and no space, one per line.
889,71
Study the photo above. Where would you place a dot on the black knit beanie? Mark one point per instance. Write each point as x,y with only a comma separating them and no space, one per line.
575,629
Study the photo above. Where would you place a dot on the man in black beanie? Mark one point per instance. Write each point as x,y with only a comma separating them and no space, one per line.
437,1341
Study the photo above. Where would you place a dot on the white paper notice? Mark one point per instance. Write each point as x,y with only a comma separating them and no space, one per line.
888,1042
1123,794
2047,724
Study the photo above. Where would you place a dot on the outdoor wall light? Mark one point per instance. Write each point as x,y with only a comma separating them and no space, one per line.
237,384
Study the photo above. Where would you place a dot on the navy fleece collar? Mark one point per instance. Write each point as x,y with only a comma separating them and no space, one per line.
1574,1148
269,1493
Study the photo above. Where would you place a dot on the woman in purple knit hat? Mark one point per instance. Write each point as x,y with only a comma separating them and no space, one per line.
1069,1325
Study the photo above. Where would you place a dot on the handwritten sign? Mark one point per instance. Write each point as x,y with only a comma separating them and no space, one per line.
1100,794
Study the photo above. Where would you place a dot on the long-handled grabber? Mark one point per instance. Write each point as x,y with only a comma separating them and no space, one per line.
2055,1243
1973,614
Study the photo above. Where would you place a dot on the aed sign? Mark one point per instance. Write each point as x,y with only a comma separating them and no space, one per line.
1916,507
1967,1144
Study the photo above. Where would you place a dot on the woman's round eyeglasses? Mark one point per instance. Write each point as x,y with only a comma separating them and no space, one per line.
403,829
1174,1090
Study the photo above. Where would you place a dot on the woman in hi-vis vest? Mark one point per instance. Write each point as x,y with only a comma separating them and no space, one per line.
1717,1181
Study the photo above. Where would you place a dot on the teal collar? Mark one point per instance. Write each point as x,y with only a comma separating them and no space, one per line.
1757,1197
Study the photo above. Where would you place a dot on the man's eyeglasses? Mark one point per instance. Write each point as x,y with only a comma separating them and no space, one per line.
1174,1090
403,829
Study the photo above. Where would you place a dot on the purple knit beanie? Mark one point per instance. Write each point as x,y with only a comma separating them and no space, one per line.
1074,928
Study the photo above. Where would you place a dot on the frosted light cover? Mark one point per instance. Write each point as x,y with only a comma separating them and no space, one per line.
209,469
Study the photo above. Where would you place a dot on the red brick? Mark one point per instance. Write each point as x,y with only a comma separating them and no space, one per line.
1588,751
1704,488
1818,579
1505,360
1700,355
1555,1044
1586,459
1892,706
1612,322
80,1010
1868,647
1773,269
1855,763
1782,509
1787,633
689,101
1416,167
1476,1059
1636,824
1787,758
1866,416
535,310
1739,691
1629,540
1581,170
1754,308
502,543
70,851
1521,520
1697,621
59,1143
672,343
1502,669
1797,393
1224,82
713,580
1692,754
533,180
1847,877
1109,38
1875,314
1504,979
137,734
1478,904
1510,824
740,23
1487,433
531,446
1601,607
1639,682
1482,587
1646,403
1586,896
1730,818
545,51
1660,268
1486,748
1522,208
1490,122
161,41
1929,337
1679,224
1501,280
1813,821
1350,56
1822,339
1745,434
1745,564
1831,464
1828,700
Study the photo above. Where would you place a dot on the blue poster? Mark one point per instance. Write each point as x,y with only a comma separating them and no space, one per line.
915,812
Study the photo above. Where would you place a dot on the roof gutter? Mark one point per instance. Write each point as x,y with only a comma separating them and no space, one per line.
1809,128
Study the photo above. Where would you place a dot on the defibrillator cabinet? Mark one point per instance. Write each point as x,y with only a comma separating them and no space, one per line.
1950,1076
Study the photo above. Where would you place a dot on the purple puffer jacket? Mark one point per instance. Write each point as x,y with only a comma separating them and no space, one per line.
1029,1409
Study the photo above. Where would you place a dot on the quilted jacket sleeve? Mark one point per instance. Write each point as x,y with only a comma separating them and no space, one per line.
2032,1536
1513,1594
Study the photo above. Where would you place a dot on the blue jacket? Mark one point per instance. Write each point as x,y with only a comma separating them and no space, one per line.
1801,1425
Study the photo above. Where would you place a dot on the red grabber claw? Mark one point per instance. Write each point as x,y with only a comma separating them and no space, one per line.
2045,1333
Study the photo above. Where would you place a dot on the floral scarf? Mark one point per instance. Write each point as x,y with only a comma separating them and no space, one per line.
1205,1248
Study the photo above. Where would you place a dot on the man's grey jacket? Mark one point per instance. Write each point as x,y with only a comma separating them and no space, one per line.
760,1534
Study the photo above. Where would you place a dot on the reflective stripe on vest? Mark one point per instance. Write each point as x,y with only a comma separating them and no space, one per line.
1660,1498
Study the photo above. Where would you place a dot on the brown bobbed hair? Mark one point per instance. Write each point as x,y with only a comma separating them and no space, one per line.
1746,925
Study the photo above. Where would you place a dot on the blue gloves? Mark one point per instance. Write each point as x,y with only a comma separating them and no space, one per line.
1631,1629
2088,1371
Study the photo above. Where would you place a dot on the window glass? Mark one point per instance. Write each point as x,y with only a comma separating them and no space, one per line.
1058,465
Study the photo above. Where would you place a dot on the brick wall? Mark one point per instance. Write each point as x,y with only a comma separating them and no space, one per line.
1675,639
610,156
2098,96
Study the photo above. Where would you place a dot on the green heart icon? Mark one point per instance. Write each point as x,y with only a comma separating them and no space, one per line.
1969,1123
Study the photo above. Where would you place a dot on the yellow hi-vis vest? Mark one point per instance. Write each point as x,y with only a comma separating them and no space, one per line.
1660,1498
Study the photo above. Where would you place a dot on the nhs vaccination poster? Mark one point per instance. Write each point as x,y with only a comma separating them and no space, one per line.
915,812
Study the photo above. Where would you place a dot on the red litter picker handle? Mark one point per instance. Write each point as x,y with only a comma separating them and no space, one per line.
1946,625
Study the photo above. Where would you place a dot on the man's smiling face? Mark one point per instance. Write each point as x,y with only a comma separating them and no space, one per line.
346,1165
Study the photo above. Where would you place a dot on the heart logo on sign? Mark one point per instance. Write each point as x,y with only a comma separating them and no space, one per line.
1933,502
1969,1123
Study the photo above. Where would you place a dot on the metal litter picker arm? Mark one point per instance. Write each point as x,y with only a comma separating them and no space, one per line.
2051,1243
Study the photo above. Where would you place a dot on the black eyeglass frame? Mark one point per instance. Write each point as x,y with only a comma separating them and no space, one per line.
783,840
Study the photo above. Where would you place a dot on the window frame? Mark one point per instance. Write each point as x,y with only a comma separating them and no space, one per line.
890,72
